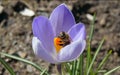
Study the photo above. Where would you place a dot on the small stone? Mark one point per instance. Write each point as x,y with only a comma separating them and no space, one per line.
29,68
70,7
22,54
1,9
12,51
27,12
103,20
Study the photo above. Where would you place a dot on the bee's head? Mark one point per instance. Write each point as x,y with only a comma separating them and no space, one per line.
63,35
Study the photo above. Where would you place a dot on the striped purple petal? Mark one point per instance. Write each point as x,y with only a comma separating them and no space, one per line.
61,19
72,51
42,29
40,51
77,32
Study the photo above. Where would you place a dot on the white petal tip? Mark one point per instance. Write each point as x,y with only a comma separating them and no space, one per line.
89,17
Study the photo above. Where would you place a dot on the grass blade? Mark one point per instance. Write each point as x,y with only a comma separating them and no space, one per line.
92,28
104,59
43,72
89,44
88,56
98,49
7,66
109,72
102,71
74,67
80,65
67,67
25,61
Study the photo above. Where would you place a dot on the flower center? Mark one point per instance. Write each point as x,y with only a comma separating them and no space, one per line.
61,41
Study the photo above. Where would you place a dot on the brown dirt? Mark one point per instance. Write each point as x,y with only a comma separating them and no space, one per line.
16,33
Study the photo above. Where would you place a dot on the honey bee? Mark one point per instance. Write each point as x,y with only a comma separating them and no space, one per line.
61,41
65,39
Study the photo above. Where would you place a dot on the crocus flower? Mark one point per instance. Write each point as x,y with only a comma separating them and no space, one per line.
49,37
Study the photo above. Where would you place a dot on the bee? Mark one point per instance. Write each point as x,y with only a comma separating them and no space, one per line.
65,39
61,41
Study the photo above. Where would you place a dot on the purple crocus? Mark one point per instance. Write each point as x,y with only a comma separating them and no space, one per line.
46,31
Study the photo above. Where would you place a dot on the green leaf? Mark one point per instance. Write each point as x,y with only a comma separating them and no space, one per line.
109,72
7,66
91,64
25,61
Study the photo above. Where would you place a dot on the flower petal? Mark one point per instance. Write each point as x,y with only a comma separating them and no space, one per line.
62,19
40,51
72,51
77,32
42,29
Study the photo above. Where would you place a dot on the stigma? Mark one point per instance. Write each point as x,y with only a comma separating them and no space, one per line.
61,41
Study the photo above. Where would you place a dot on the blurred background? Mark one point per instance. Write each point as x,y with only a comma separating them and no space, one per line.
16,34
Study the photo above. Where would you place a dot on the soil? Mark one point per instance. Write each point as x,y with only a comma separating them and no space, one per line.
16,33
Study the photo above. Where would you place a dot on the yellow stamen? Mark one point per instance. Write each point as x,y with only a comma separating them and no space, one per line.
58,44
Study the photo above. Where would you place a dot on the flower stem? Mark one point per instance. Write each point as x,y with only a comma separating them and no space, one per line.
59,69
